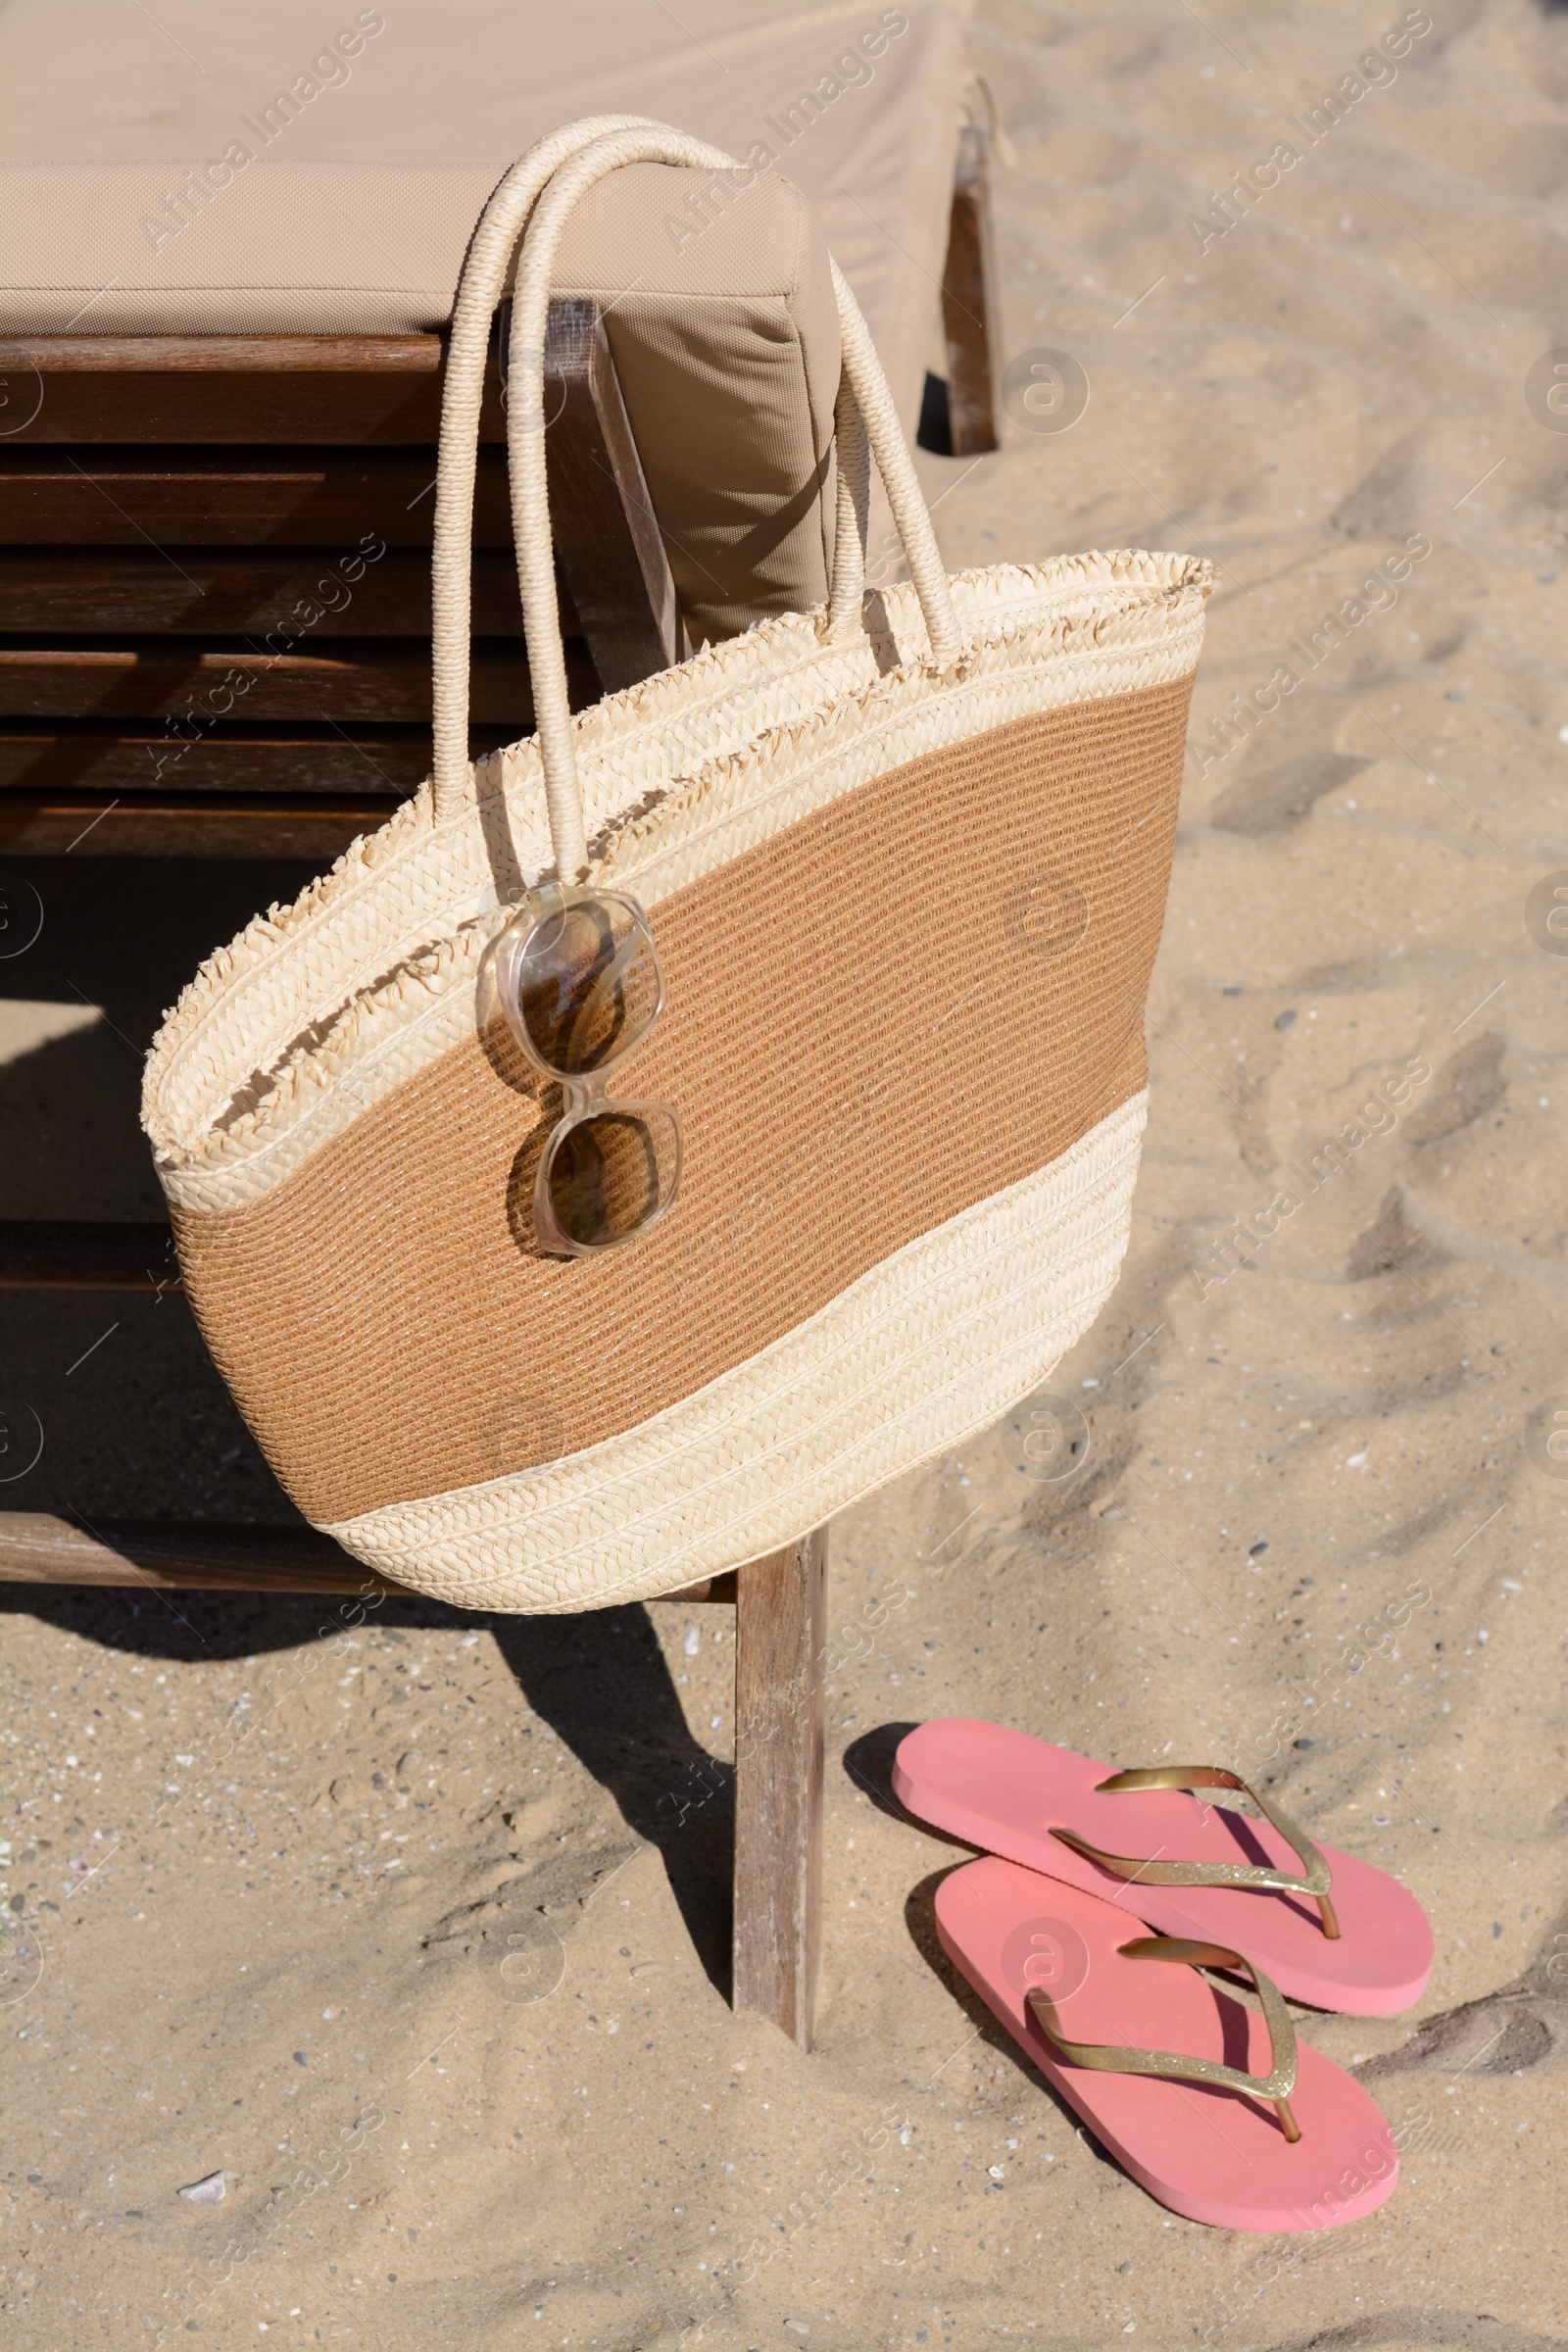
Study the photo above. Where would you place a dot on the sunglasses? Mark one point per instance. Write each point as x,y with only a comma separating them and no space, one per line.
579,988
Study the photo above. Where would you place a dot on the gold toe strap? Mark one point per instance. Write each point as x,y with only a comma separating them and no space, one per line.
1277,2084
1316,1877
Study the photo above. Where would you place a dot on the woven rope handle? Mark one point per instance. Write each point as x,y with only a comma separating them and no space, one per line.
852,525
484,273
881,427
551,180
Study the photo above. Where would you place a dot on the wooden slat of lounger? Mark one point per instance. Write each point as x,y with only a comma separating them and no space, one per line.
271,825
79,756
38,1549
367,678
38,1254
224,355
73,784
347,499
364,390
225,592
968,303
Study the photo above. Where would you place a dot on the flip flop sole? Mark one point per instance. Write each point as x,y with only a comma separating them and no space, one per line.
1212,2154
1005,1791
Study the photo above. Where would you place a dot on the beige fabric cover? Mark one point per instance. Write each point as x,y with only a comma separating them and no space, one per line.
726,344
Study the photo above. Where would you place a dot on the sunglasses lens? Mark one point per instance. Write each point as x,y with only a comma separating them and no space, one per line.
587,984
607,1176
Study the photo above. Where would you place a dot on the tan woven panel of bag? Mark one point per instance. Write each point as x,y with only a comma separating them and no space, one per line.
675,1125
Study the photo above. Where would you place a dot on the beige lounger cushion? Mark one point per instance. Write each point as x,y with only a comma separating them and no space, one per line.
353,211
257,171
728,350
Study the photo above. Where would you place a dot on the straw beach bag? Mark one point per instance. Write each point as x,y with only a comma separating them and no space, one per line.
861,907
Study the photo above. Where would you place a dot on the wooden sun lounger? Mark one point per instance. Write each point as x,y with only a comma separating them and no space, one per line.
192,528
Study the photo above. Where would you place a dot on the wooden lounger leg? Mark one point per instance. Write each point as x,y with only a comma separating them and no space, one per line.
779,1640
968,303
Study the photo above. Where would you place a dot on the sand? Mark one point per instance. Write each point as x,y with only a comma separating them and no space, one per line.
272,1872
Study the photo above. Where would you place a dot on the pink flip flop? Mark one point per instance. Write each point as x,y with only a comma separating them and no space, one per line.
1329,1929
1203,2116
